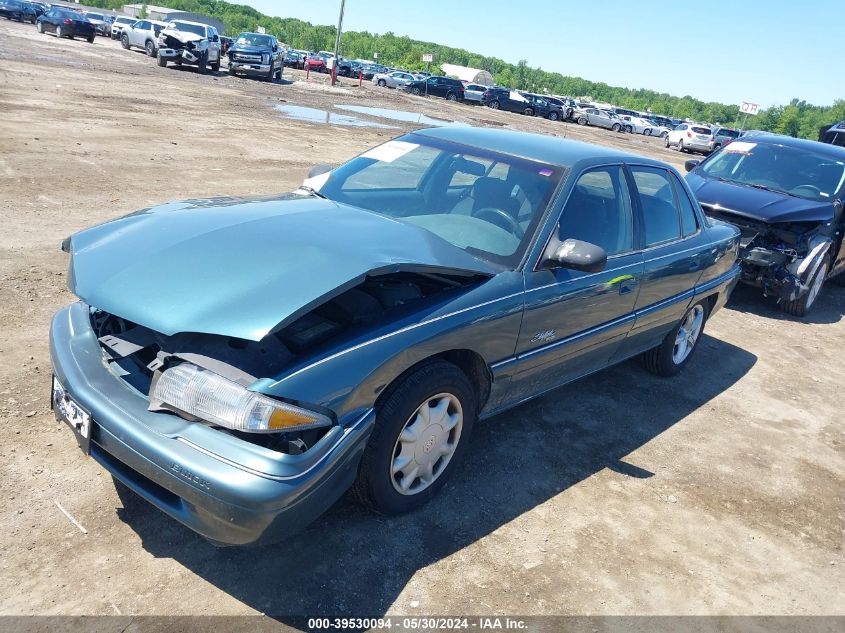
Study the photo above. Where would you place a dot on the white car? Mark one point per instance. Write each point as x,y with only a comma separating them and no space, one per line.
473,92
143,34
396,79
639,125
600,118
184,42
120,23
691,137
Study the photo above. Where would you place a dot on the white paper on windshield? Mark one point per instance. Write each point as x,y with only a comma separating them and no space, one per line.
739,147
517,97
316,182
390,151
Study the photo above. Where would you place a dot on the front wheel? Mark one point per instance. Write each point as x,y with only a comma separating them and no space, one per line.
553,116
124,41
39,27
629,129
60,32
615,127
582,120
666,140
528,112
90,39
672,355
162,61
150,48
216,68
801,306
494,105
452,96
422,428
416,91
382,83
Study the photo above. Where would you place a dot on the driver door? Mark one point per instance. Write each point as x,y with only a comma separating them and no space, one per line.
574,322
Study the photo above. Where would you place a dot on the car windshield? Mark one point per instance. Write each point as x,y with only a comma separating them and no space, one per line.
253,39
125,21
95,16
728,133
196,29
486,203
794,171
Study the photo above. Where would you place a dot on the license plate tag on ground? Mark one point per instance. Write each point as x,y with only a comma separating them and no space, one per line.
72,414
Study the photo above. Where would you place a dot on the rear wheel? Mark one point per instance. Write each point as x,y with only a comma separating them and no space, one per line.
528,112
60,32
553,116
124,41
801,306
672,355
416,91
150,48
615,127
452,96
647,131
39,27
582,120
422,427
494,105
382,83
665,140
681,147
629,129
91,39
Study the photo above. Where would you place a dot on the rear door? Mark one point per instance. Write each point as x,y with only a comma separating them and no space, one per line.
574,322
675,253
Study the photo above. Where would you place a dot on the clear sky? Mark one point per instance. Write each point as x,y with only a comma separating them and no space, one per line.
762,51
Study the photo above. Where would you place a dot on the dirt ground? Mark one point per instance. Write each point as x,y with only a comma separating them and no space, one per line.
717,492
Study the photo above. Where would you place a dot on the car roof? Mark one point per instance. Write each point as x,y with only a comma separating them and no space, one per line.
547,149
180,21
833,151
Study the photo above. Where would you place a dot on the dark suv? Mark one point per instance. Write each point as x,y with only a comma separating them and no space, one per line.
521,102
451,89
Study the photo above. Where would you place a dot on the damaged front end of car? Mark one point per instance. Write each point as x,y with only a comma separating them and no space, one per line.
173,46
781,258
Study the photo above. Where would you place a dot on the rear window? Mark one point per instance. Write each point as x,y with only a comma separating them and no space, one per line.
729,133
701,130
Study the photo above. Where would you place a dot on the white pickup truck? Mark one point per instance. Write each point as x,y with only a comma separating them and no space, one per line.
183,42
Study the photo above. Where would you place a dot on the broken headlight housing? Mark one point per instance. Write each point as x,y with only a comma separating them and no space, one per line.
212,398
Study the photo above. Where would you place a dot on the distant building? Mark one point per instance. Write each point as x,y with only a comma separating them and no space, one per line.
164,14
470,75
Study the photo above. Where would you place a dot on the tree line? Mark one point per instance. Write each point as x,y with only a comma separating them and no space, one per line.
798,118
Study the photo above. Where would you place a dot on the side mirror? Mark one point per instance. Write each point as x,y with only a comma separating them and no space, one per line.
576,255
691,164
319,170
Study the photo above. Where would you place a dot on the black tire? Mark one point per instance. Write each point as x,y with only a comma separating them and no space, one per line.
528,112
202,65
629,129
215,67
382,83
717,147
583,120
451,96
494,105
665,135
161,61
665,140
59,33
802,306
124,41
615,127
681,146
553,116
150,48
271,76
90,39
647,131
660,360
416,91
374,486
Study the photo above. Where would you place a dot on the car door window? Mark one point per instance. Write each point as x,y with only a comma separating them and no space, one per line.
660,216
689,219
599,211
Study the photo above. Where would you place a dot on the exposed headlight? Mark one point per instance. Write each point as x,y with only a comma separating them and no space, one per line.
202,44
217,400
265,58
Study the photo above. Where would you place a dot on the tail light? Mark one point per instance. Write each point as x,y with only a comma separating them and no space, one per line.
67,21
689,134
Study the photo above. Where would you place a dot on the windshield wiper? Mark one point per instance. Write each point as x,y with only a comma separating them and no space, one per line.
313,192
765,188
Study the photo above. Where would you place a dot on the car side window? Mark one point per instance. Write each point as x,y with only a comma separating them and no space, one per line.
689,219
661,220
599,211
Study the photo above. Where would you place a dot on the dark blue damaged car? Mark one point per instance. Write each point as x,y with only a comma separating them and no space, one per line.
242,363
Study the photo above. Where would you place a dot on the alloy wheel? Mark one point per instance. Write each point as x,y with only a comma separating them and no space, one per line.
688,334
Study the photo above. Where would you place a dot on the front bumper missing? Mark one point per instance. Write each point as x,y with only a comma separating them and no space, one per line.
184,55
224,488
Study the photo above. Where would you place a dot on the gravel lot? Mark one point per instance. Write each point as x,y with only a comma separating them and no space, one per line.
718,492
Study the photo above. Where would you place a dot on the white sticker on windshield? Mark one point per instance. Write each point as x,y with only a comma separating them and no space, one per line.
739,147
390,151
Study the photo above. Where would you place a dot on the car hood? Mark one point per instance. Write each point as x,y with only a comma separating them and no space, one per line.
757,204
183,36
245,267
